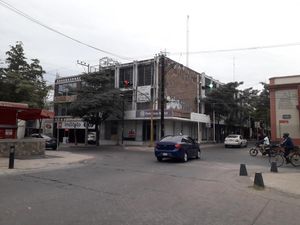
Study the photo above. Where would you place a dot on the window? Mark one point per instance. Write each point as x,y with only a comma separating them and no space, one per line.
126,73
145,74
66,89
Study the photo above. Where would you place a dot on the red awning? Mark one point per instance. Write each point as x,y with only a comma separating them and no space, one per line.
8,115
33,114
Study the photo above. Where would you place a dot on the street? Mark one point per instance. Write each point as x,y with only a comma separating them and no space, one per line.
128,186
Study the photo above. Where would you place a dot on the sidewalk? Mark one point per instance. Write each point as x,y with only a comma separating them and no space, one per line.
51,160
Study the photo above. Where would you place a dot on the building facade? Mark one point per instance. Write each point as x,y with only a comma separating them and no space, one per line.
284,107
154,83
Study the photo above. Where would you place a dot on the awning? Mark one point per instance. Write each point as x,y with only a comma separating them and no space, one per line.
8,115
33,114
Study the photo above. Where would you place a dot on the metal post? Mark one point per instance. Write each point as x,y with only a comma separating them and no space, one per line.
151,128
86,133
123,112
11,157
162,97
214,123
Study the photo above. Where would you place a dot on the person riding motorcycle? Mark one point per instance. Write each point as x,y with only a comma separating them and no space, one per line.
288,145
265,145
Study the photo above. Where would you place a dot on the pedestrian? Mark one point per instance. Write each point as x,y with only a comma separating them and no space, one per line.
288,145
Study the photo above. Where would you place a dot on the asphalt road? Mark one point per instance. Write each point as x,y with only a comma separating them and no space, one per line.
130,187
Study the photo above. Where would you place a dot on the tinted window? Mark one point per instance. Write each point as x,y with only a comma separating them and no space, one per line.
172,138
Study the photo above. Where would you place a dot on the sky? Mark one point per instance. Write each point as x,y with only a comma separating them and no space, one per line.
139,29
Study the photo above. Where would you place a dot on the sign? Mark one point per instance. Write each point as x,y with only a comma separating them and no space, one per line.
75,124
286,116
143,94
155,113
283,121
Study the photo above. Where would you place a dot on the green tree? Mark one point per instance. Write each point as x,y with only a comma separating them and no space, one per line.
223,101
97,99
21,81
262,106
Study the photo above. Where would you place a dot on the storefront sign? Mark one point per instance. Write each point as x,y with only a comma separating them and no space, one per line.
75,124
155,113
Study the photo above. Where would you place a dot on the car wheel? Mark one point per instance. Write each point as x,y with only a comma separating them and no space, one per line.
185,157
54,148
198,156
159,159
226,146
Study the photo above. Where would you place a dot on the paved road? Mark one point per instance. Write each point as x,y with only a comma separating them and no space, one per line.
131,187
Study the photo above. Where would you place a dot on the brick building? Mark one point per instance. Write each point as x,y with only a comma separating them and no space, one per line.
183,110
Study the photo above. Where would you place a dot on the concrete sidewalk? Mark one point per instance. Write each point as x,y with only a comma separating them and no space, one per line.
51,160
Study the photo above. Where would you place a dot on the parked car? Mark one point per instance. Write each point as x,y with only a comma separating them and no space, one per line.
50,142
92,138
235,140
180,147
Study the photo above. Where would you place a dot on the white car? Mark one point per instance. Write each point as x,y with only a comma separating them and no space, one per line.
235,140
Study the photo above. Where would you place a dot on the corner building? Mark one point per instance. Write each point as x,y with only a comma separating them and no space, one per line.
181,88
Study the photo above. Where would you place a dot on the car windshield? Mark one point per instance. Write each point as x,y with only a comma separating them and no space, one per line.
172,138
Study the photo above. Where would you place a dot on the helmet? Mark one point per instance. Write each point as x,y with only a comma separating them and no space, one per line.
285,135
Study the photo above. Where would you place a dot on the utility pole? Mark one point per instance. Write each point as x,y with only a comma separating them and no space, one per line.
162,96
187,40
86,123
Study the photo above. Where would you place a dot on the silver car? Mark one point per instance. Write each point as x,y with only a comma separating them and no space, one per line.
235,140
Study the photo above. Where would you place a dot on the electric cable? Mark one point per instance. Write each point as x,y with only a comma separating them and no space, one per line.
19,12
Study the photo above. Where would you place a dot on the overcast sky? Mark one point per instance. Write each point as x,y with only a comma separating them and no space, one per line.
140,29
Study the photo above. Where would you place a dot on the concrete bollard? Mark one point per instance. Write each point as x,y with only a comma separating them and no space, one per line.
11,162
258,180
243,170
274,167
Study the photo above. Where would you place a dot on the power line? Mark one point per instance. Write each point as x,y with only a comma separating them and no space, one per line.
19,12
238,49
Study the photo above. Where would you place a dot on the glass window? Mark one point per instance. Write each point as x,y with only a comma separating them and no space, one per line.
126,73
67,89
145,74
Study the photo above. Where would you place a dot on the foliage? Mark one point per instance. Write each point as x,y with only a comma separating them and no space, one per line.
262,106
236,106
97,99
21,81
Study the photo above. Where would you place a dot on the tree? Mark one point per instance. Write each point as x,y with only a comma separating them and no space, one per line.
22,82
97,99
223,100
262,106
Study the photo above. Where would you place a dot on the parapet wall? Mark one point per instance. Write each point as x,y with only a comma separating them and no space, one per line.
23,147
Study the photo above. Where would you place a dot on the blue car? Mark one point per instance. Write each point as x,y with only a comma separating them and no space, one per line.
180,147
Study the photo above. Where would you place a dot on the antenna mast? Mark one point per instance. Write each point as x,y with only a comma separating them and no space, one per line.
187,40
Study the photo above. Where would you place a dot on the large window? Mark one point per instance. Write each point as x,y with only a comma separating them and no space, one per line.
126,73
145,74
62,109
66,89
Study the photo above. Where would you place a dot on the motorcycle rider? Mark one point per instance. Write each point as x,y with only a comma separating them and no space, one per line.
288,145
265,144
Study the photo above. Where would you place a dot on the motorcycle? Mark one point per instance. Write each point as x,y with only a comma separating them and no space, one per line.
263,149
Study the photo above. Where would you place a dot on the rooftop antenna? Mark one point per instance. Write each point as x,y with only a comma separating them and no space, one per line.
187,40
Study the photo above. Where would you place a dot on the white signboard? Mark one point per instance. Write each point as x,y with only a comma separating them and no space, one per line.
75,124
143,94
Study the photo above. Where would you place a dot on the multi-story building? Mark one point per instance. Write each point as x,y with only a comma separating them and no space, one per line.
152,80
284,107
